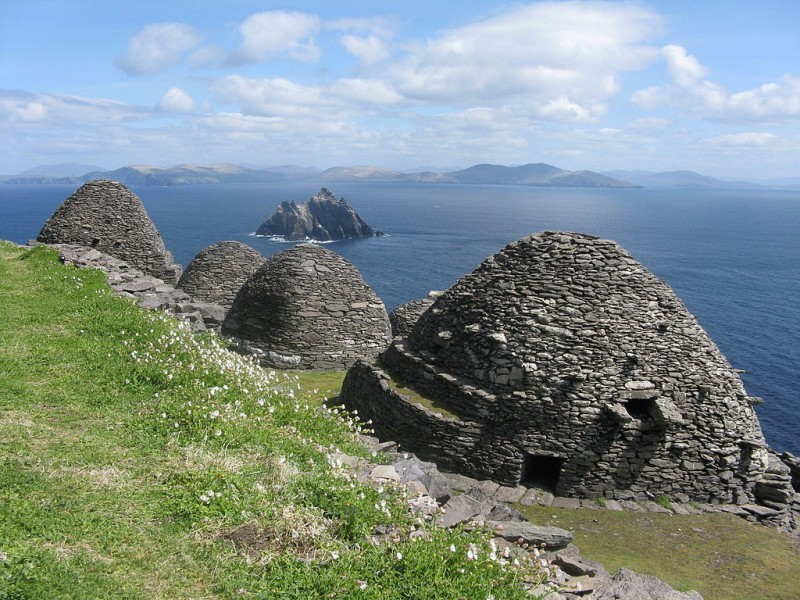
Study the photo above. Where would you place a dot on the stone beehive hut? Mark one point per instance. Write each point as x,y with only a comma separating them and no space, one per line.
561,361
404,317
107,216
309,308
218,272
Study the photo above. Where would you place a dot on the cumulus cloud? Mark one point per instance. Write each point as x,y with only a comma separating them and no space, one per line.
269,97
556,57
272,33
691,90
176,100
370,49
158,47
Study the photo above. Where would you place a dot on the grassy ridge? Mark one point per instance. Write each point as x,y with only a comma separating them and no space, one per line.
140,461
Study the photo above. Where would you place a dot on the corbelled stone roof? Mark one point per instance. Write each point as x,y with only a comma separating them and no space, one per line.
309,308
107,216
563,357
218,272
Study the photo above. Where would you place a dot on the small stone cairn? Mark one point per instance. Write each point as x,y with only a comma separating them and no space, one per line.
308,308
107,216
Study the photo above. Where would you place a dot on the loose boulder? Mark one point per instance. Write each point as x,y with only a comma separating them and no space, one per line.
309,308
107,216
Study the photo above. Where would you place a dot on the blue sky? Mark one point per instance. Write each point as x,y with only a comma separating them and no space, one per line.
711,86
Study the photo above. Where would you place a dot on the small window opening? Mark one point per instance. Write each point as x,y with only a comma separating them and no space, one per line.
641,409
542,471
95,242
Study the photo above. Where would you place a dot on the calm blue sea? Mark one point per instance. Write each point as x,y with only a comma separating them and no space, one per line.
732,256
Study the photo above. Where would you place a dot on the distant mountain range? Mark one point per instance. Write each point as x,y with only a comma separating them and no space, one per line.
538,174
534,174
678,179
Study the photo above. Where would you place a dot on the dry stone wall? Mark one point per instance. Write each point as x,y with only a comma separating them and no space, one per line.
107,216
404,317
218,272
582,371
309,308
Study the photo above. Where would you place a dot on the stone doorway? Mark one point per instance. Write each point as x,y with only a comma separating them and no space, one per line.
541,471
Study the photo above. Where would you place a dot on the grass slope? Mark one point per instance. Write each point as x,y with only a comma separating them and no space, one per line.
140,461
721,556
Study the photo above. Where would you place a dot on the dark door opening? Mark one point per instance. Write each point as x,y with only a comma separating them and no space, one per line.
640,408
541,471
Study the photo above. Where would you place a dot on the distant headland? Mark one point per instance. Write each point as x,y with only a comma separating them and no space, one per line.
532,174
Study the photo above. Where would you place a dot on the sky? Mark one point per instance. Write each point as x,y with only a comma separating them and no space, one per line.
711,86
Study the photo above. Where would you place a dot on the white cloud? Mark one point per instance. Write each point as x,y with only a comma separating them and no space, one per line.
547,56
690,90
176,100
270,97
684,68
369,50
743,140
25,107
268,34
157,47
369,91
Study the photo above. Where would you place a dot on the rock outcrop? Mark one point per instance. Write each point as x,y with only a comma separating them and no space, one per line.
322,218
107,216
562,362
218,272
308,308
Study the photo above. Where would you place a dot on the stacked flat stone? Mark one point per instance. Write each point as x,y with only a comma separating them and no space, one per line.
563,354
218,272
405,316
309,308
107,216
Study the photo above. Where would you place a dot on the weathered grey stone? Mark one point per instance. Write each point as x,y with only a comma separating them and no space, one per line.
552,538
404,317
293,306
107,217
629,585
459,509
218,272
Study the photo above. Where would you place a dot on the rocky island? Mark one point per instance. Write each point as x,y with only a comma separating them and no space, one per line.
322,218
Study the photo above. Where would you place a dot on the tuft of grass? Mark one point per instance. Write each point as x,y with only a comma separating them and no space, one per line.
721,556
664,502
138,460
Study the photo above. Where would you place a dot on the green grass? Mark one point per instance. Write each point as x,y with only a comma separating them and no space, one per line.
140,461
721,556
437,406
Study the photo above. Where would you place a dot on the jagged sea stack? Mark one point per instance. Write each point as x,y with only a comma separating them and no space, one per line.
561,361
107,216
309,308
322,218
218,272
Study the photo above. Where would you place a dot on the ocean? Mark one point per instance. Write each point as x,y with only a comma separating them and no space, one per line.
733,256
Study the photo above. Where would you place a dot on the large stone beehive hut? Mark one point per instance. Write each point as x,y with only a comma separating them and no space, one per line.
309,308
218,272
107,216
561,361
